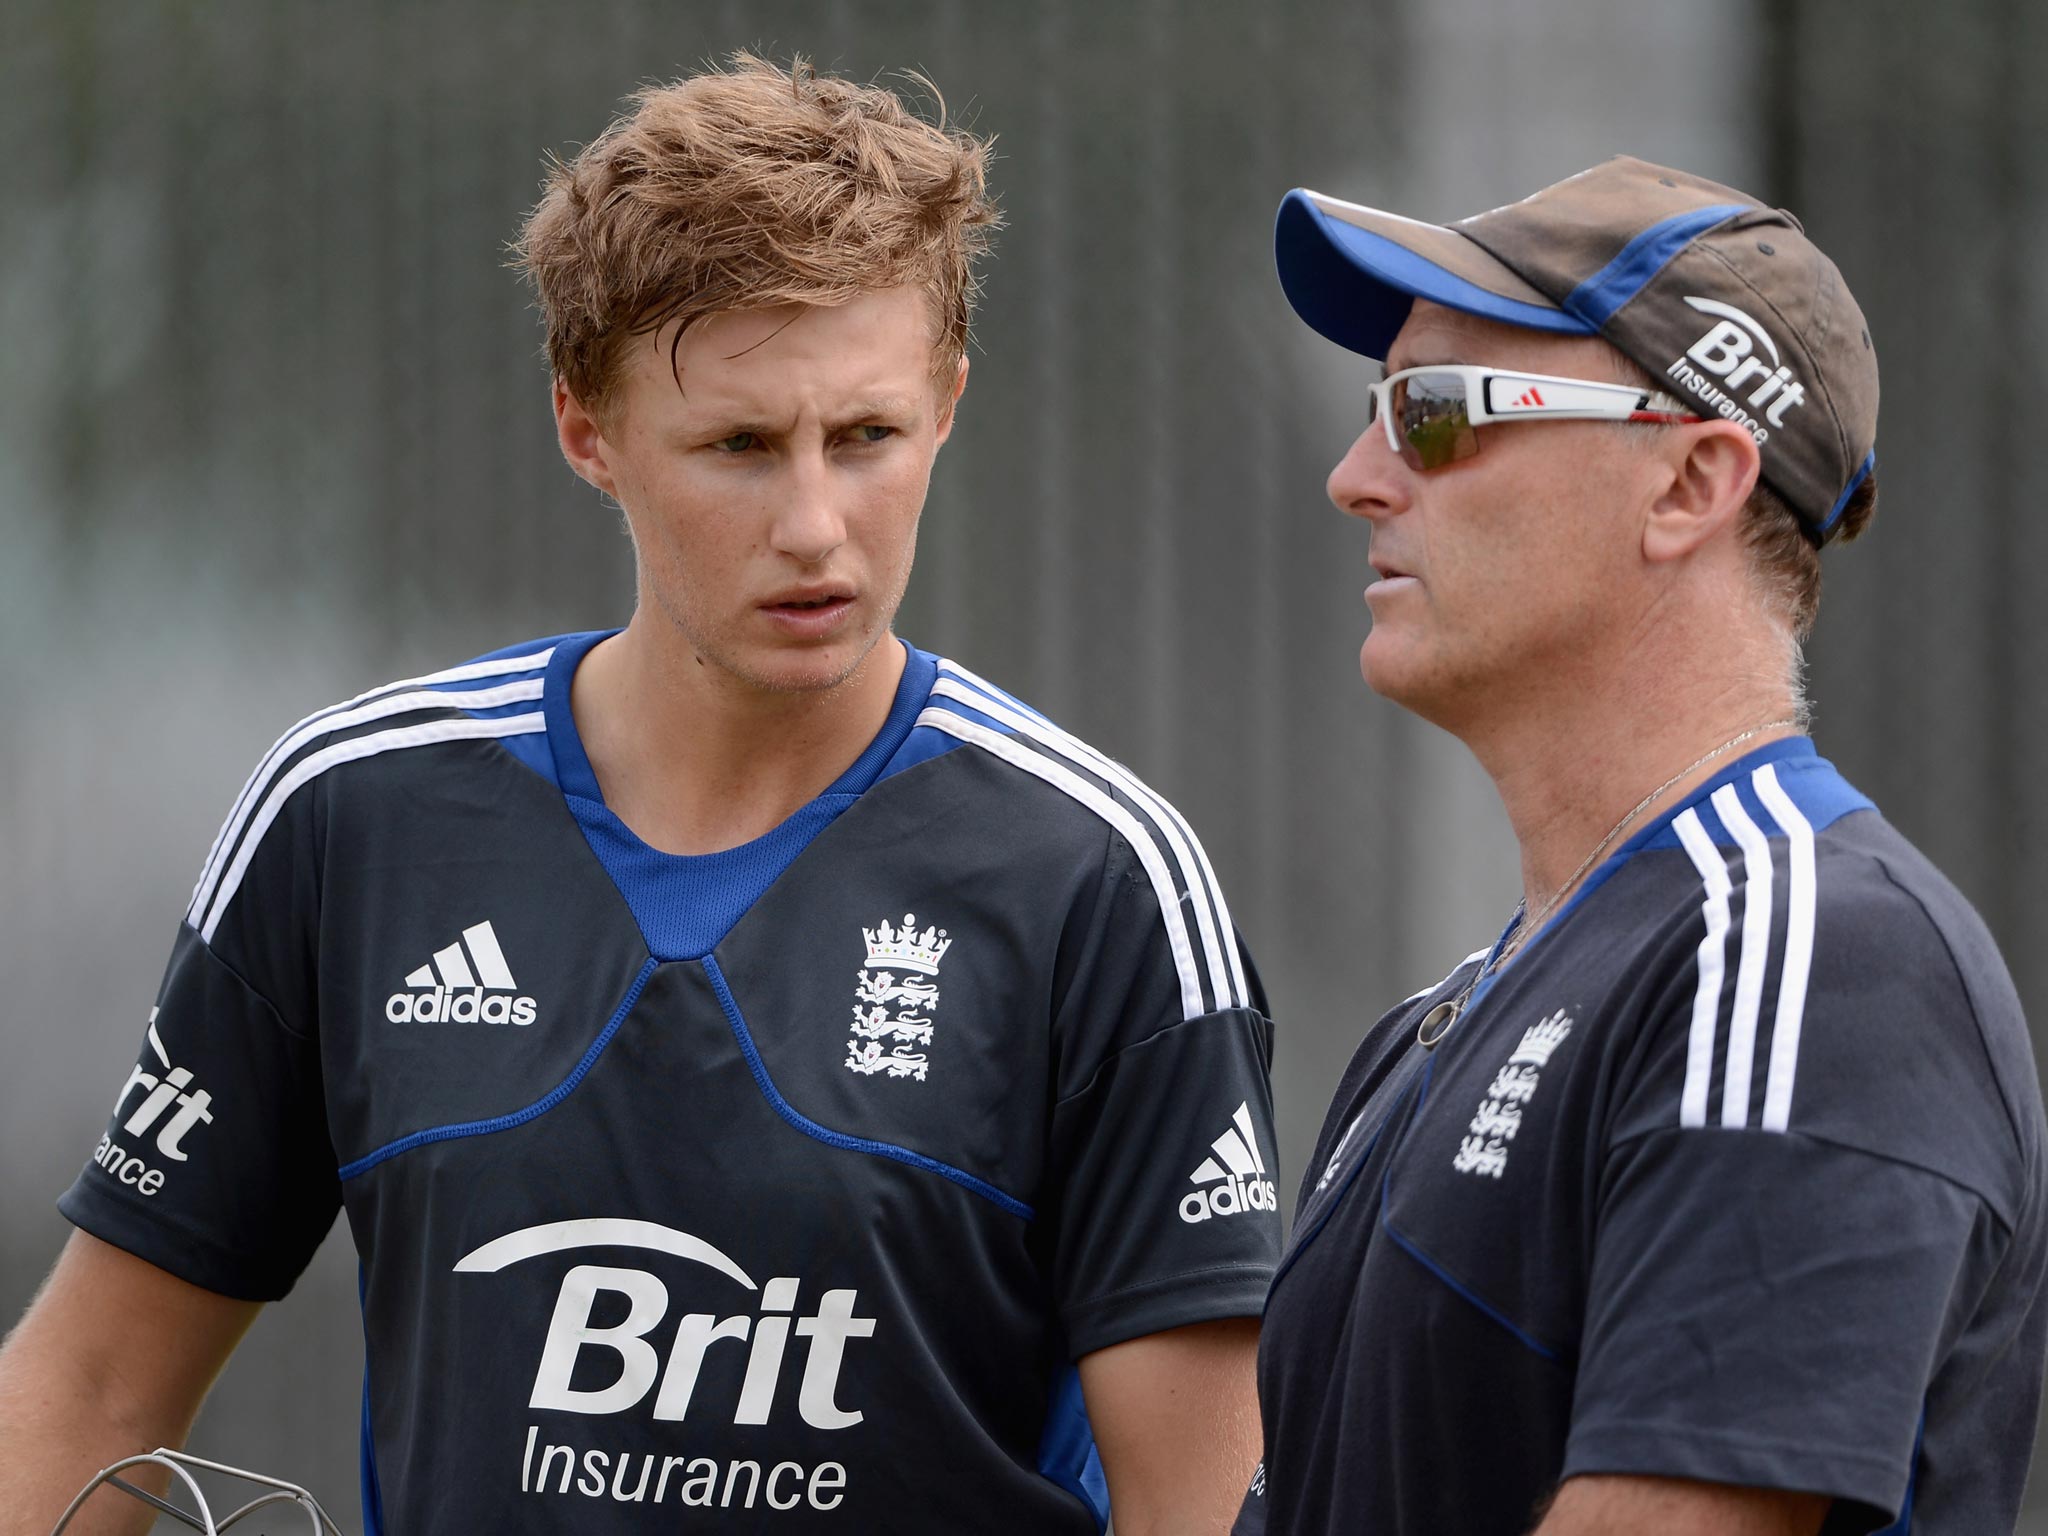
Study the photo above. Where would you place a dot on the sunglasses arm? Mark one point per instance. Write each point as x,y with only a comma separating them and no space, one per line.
1501,396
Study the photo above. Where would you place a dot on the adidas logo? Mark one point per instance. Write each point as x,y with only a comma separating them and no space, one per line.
1530,396
1237,1182
466,983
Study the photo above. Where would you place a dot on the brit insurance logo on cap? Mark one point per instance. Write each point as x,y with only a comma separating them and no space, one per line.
1724,299
1728,352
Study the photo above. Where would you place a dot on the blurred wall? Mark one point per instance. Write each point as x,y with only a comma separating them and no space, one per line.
273,428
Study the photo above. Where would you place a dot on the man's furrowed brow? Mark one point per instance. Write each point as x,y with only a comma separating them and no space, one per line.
1422,357
730,422
877,408
716,423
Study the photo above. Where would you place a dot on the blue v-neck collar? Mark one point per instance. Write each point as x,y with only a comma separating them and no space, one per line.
685,904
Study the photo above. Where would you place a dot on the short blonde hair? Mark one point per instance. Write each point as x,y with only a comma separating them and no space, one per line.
745,187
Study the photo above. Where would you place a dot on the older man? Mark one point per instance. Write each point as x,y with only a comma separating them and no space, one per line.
1709,1197
775,1080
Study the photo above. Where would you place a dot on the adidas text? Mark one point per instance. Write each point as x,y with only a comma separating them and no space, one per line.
476,1006
1227,1199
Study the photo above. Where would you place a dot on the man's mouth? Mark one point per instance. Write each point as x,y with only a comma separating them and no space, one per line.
809,599
809,613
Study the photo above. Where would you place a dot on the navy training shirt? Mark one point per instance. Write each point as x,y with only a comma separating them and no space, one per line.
1734,1174
776,1189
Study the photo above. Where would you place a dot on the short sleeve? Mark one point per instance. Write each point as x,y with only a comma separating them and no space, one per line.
1779,1276
1768,1309
216,1164
1161,1148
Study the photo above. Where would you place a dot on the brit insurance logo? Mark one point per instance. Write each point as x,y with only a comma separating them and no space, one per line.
466,983
1727,370
620,1341
894,997
1234,1179
170,1106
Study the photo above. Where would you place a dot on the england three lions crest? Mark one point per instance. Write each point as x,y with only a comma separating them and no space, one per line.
1490,1136
894,997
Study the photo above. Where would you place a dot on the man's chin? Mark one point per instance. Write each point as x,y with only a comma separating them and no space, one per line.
808,669
1379,667
776,664
1393,673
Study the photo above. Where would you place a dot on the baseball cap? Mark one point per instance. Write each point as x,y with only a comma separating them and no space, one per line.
1725,302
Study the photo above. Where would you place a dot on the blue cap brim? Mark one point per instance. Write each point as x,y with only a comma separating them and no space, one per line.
1356,286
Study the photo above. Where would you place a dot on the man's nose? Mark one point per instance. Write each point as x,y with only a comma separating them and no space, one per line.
812,520
1369,481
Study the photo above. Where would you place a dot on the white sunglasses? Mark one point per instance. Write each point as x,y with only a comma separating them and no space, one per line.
1432,413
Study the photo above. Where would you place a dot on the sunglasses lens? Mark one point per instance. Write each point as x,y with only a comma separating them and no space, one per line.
1431,420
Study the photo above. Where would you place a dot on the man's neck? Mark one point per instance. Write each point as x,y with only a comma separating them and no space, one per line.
1573,765
695,760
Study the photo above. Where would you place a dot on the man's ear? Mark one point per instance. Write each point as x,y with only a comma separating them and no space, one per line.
1713,467
583,441
950,400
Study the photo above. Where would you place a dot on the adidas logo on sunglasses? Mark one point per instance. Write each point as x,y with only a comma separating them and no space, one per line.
1727,351
1431,414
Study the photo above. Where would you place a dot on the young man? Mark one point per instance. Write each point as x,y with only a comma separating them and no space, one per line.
1709,1199
774,1079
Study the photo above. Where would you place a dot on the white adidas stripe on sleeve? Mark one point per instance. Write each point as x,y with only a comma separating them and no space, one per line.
379,709
295,738
1037,764
1712,963
1795,967
309,768
1756,955
1799,921
1219,937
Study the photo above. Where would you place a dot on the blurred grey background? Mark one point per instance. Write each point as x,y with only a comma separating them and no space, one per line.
274,428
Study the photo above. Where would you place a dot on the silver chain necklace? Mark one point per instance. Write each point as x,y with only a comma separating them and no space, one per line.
1521,927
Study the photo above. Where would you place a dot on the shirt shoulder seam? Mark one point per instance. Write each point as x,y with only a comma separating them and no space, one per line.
1165,1029
1969,996
276,1014
1873,1154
